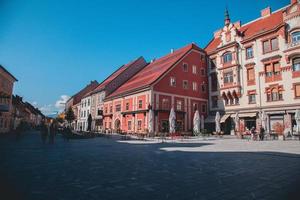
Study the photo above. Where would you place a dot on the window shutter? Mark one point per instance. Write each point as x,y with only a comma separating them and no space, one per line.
297,90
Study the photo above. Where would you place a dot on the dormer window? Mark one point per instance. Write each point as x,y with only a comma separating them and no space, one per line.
296,37
227,57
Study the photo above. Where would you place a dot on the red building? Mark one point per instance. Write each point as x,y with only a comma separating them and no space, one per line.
177,80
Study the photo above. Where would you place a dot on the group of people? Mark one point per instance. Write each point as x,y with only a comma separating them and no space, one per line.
48,131
260,134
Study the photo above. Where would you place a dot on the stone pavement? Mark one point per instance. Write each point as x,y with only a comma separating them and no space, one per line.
109,168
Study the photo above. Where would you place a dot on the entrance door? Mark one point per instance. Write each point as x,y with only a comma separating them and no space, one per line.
117,125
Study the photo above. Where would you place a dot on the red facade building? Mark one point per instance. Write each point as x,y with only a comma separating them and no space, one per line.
177,80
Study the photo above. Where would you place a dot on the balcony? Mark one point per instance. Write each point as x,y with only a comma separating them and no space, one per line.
292,45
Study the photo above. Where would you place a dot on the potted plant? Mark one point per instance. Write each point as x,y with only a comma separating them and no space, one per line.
279,129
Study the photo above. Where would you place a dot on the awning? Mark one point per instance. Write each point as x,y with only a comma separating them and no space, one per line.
210,119
224,117
247,115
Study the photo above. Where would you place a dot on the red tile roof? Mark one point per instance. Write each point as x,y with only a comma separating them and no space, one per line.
102,85
252,29
78,96
153,71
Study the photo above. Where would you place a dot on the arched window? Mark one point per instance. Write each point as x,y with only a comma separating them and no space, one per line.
296,64
227,57
296,37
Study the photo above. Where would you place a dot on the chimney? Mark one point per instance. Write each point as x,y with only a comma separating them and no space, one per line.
172,50
265,12
152,60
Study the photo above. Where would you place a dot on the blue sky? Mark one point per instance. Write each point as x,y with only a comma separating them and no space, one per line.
56,47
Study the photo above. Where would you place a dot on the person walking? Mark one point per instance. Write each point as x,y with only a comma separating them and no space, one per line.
253,134
261,133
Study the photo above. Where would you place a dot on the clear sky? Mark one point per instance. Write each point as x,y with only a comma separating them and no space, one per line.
55,47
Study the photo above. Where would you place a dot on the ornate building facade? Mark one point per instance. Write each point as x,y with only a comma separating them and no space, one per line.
255,68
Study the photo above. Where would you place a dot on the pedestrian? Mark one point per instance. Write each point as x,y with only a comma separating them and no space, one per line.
253,134
44,132
261,133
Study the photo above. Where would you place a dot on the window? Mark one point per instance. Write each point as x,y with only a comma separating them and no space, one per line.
214,101
202,72
228,77
106,110
118,108
194,86
227,57
185,67
84,113
203,87
165,104
140,104
185,84
129,125
276,68
100,112
195,106
296,37
214,82
213,63
127,106
270,45
139,125
110,109
274,94
89,102
249,52
296,64
297,90
250,75
252,98
178,105
272,69
172,81
203,108
194,69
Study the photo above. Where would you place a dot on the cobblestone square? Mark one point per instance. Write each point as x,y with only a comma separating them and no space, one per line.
110,168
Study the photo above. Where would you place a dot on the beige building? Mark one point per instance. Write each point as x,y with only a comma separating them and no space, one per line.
6,88
255,68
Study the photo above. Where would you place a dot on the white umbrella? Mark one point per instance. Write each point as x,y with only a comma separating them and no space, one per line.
297,118
196,123
172,121
217,120
237,122
263,119
150,121
202,122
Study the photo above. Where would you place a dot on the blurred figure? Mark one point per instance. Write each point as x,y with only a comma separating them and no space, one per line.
44,132
261,133
52,132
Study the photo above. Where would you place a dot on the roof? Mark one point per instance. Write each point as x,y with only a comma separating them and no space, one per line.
252,29
153,71
78,96
8,73
116,73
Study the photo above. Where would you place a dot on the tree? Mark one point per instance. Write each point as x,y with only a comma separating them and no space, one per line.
70,115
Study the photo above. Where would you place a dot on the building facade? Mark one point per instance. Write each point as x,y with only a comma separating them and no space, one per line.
177,80
75,102
109,85
255,68
7,81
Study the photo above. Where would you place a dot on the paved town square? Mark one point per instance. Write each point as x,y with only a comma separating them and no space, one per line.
109,167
